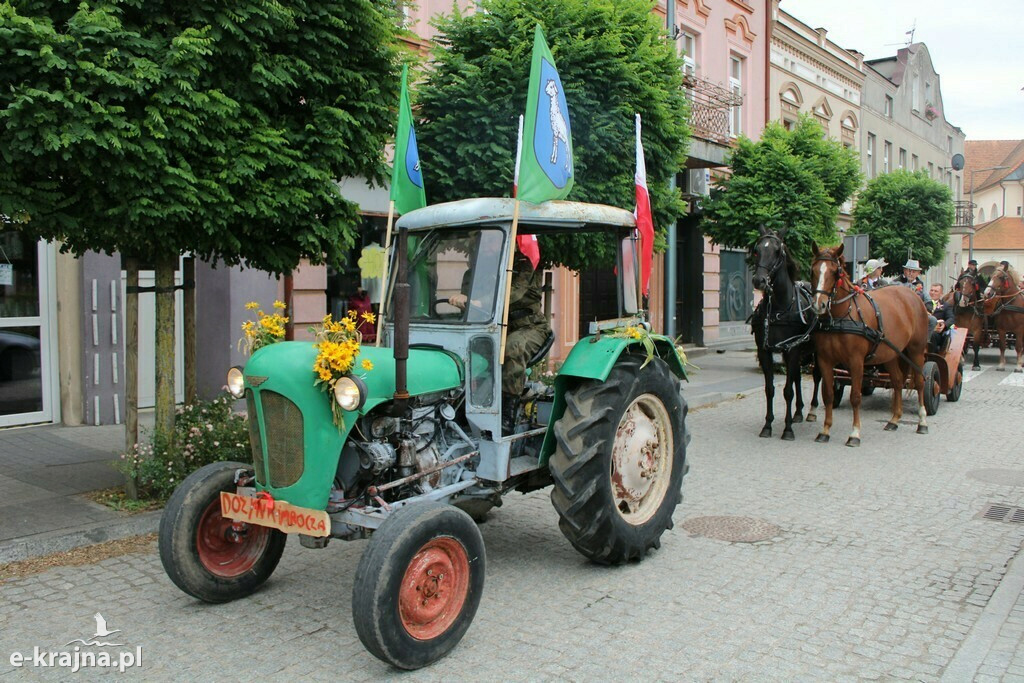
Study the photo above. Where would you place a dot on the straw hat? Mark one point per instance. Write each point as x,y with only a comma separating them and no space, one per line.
912,264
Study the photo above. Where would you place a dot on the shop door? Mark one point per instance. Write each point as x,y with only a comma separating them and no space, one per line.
26,375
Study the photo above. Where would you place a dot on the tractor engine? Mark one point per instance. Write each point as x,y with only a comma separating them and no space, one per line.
403,456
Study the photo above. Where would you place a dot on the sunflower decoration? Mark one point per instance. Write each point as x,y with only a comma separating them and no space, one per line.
636,333
268,328
337,345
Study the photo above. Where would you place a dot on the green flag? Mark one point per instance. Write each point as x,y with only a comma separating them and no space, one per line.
546,169
406,178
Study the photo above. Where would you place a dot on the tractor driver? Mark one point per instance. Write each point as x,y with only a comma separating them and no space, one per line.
527,328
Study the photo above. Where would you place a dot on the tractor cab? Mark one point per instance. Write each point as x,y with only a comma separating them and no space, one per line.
458,252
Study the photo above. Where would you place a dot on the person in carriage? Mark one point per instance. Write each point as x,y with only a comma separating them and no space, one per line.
944,316
873,274
911,277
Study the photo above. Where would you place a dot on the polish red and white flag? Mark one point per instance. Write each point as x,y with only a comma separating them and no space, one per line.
642,212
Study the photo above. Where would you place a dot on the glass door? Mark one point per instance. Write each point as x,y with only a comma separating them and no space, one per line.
25,323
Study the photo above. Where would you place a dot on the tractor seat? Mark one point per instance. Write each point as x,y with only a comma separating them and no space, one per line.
542,352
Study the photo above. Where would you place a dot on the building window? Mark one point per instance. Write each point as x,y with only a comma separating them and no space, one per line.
981,215
887,157
928,94
688,42
736,87
913,163
915,94
871,155
995,212
903,158
888,107
957,195
931,170
949,144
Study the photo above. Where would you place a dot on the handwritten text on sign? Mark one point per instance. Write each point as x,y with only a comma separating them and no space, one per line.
284,516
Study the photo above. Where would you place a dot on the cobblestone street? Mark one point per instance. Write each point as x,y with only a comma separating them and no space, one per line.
880,568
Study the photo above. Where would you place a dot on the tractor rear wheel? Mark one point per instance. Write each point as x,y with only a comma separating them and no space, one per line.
619,460
418,584
209,556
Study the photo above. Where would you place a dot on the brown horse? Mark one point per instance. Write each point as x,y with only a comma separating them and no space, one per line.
1005,302
968,308
886,328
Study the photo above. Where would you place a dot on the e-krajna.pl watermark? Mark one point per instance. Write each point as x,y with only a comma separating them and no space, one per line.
77,659
88,655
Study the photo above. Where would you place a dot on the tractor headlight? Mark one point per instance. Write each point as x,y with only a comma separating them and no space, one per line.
350,393
236,382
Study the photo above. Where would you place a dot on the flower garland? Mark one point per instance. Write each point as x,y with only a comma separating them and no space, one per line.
337,344
265,330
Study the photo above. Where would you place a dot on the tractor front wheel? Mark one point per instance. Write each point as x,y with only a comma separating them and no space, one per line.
418,584
209,556
619,460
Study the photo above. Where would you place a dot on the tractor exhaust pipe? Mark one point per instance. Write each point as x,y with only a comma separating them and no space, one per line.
400,301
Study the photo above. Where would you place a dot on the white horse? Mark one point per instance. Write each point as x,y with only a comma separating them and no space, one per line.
559,128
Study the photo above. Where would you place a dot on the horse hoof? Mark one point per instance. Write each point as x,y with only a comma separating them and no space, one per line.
1000,369
822,438
788,435
975,367
1017,370
800,418
891,426
766,433
811,417
922,429
853,442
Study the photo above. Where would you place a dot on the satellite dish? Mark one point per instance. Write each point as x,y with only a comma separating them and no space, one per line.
958,162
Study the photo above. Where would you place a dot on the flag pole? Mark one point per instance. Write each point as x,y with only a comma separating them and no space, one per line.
512,242
638,246
384,274
508,280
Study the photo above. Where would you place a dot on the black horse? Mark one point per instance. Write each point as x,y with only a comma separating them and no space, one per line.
782,323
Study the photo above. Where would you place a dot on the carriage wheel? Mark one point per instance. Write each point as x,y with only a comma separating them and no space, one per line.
932,387
958,384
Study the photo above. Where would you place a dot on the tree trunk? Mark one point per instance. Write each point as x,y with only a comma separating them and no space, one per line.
164,418
188,280
131,367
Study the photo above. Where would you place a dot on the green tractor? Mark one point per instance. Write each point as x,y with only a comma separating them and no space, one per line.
422,452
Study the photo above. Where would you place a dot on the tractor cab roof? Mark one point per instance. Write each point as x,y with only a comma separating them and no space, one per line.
547,218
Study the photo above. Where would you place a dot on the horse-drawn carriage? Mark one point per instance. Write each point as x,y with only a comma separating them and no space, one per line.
943,376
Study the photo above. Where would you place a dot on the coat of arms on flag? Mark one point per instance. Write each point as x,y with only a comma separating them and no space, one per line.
547,163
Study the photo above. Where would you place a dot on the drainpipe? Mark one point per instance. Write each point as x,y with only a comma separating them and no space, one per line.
672,255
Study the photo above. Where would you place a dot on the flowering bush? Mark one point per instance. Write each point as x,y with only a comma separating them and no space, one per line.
266,329
337,345
204,432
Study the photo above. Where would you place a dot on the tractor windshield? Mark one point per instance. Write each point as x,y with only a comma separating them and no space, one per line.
453,274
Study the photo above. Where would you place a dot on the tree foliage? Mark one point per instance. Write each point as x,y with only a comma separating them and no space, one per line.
614,61
151,127
790,180
904,210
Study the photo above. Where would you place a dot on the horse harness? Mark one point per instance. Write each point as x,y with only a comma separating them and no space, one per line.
795,315
847,325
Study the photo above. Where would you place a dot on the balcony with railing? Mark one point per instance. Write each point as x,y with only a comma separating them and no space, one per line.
710,108
963,220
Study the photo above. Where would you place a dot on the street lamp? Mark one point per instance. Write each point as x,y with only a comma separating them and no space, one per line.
970,237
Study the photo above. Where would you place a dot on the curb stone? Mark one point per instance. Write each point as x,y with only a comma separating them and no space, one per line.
51,542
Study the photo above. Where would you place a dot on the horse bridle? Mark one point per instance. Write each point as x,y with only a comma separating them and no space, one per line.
775,265
958,294
840,274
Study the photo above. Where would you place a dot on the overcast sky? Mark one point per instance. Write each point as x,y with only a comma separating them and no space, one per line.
975,48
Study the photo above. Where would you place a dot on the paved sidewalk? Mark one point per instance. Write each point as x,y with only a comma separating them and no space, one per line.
45,470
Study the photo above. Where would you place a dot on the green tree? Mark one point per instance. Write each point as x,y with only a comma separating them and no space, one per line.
614,61
790,180
903,211
154,128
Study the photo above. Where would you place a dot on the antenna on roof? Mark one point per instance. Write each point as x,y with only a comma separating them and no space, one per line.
910,33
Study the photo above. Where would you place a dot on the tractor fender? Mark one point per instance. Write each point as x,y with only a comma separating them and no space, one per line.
593,358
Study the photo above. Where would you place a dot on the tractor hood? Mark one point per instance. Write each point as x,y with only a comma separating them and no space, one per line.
431,370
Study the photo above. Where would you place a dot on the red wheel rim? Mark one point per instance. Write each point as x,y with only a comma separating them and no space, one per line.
228,548
434,588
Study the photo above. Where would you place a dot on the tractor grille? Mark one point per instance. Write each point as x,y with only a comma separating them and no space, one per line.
254,437
282,421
